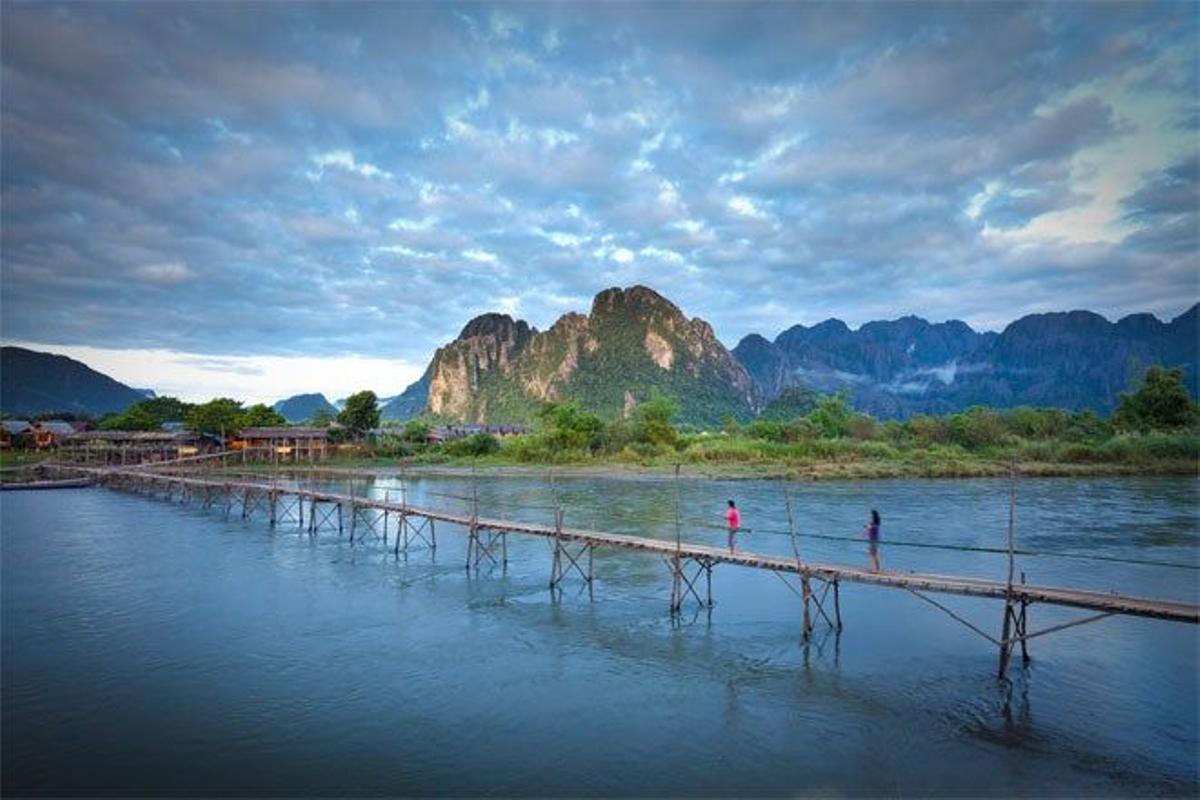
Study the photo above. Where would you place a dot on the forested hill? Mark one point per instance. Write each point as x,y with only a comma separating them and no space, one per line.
302,407
1076,360
33,383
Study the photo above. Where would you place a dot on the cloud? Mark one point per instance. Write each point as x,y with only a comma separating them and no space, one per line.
345,160
166,273
363,182
482,256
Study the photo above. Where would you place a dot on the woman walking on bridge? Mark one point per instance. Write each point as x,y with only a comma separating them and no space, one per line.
871,529
734,518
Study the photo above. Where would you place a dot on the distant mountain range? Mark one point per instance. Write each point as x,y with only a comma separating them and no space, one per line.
34,383
634,342
1074,360
302,407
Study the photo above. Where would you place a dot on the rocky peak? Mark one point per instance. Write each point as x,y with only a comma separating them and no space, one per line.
637,301
488,345
571,322
500,326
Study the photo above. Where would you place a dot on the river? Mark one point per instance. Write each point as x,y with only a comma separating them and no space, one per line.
151,648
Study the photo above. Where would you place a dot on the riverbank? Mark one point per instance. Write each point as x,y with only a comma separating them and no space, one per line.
821,470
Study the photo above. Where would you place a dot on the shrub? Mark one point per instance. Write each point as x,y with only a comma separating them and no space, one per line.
477,444
977,427
767,430
654,420
862,427
1162,403
831,416
570,428
928,430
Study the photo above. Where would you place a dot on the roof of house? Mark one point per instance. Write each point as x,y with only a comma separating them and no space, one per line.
284,433
16,425
56,426
135,436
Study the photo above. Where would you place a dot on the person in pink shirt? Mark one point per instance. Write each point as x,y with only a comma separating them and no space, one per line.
734,518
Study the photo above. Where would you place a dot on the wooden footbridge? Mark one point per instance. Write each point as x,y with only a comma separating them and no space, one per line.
402,526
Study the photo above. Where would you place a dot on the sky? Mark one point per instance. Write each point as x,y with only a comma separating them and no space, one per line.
262,199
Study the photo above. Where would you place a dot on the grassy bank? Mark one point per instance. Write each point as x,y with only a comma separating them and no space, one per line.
740,456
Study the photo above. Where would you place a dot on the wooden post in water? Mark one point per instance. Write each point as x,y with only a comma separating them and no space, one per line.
1006,629
473,531
837,605
805,587
1021,622
677,561
806,591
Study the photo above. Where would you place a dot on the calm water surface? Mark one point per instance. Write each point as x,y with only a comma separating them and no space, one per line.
149,648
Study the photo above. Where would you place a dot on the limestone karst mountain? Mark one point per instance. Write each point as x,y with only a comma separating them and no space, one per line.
632,343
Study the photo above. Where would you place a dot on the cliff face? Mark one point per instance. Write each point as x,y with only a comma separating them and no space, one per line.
488,346
632,343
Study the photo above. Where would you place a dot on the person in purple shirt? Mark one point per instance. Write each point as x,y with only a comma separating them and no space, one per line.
871,529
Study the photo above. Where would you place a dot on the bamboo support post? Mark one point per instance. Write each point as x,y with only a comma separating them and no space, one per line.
1009,614
837,604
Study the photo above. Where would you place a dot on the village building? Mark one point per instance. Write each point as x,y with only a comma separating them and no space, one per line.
447,433
134,447
15,433
283,444
51,433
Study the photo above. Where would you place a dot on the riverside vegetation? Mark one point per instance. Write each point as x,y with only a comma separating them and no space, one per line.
1154,430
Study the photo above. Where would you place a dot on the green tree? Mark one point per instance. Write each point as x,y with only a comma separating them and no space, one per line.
568,427
148,415
730,425
977,427
220,415
792,402
260,416
416,430
832,416
654,420
361,413
321,418
1161,402
477,444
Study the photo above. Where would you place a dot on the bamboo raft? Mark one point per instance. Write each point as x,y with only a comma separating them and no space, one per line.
688,562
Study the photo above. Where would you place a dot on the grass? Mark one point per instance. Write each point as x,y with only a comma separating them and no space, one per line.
740,456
